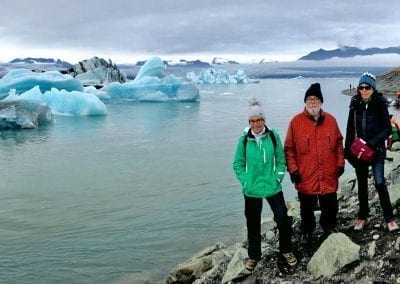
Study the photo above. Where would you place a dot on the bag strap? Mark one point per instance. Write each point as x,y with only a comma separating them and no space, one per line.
355,125
271,134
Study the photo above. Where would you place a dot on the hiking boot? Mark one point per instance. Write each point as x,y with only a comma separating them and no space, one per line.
250,264
290,258
360,224
392,226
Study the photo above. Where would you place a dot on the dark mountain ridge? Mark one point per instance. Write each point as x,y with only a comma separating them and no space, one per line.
40,60
348,51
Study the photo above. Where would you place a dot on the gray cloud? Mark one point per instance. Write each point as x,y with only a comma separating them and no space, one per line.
156,27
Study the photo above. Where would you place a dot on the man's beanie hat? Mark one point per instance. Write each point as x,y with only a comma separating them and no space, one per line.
314,90
255,109
369,79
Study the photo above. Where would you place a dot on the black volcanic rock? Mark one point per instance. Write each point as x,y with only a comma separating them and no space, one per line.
348,51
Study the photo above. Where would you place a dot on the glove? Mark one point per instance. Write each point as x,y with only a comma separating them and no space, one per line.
295,177
340,171
370,145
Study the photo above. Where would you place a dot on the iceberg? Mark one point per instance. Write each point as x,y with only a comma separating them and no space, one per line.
151,85
22,80
221,76
62,102
22,114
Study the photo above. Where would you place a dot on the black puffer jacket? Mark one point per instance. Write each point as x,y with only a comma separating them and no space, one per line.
373,123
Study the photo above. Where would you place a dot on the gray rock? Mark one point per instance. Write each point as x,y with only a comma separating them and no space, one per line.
193,268
372,249
334,253
236,268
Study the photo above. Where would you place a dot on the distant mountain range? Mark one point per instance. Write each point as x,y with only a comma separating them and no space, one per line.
348,51
318,55
40,60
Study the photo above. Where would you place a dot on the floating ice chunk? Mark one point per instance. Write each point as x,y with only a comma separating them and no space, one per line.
23,80
213,76
152,85
22,114
64,102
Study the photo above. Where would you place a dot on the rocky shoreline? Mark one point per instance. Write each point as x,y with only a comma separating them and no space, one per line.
388,84
369,256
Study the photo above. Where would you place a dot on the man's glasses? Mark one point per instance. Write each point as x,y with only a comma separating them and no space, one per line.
364,88
312,99
256,120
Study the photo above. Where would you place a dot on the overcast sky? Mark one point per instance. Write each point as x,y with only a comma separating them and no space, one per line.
129,30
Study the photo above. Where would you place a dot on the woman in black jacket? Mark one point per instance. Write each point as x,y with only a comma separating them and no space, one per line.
373,126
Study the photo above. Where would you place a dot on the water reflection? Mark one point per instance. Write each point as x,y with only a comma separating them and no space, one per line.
11,138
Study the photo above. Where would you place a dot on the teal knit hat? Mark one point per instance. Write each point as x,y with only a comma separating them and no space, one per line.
369,79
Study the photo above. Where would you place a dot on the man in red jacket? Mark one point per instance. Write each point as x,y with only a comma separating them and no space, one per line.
315,161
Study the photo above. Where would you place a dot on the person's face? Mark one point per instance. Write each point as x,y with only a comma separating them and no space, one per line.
313,105
365,90
256,124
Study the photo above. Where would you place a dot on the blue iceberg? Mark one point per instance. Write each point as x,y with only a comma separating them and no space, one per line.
22,80
151,85
62,102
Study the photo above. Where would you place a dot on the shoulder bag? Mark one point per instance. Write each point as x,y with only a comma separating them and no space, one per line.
359,148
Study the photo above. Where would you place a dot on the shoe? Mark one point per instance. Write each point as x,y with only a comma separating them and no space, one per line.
290,258
392,226
250,264
360,224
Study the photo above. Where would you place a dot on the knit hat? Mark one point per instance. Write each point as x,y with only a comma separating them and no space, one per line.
314,90
369,79
255,109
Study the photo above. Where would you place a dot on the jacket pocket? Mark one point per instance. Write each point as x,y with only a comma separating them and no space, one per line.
304,144
330,143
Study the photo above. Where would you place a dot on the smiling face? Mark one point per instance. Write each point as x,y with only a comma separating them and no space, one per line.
256,124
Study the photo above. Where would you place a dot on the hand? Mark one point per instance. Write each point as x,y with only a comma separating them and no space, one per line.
340,171
369,145
295,177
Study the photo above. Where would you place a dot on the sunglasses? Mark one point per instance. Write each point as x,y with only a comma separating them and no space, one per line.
364,88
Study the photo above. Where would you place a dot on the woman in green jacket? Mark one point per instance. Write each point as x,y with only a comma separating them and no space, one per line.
259,165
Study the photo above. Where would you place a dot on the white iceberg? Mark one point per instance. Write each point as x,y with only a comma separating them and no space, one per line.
221,76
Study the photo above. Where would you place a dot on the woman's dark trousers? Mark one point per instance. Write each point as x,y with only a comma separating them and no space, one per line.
380,185
253,209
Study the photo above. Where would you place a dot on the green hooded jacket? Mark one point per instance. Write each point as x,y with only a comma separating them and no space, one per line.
260,168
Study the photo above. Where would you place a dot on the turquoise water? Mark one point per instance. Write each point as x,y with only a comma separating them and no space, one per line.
126,197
